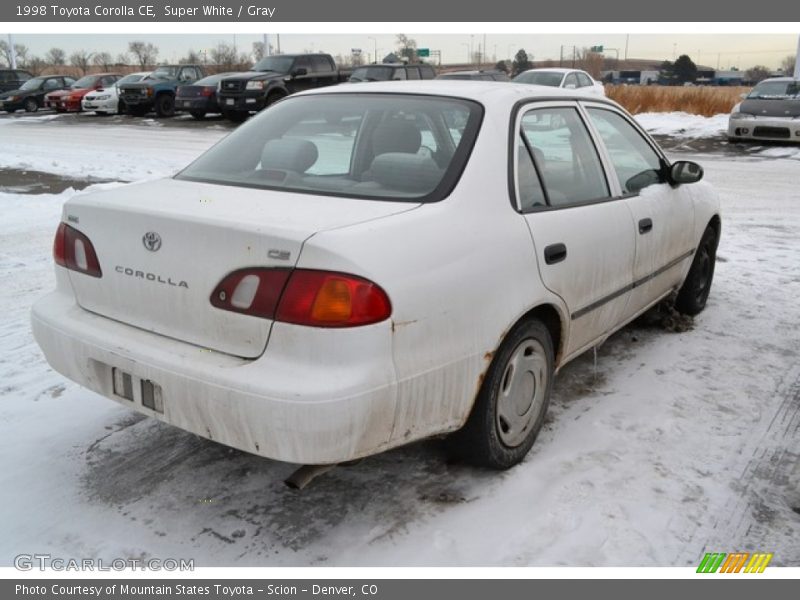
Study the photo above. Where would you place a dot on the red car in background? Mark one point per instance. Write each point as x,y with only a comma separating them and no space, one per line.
69,100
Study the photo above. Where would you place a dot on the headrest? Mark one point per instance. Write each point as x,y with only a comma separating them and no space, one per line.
289,154
406,172
396,136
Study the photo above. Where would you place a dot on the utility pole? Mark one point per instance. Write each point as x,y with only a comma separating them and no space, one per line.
627,39
13,52
797,60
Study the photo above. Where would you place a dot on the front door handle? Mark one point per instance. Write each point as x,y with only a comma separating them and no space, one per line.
645,225
555,253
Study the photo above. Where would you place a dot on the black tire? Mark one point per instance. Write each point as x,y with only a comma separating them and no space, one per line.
198,114
524,363
165,105
236,116
273,97
120,107
31,105
694,292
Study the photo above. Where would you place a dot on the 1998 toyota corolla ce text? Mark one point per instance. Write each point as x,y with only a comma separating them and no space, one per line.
364,266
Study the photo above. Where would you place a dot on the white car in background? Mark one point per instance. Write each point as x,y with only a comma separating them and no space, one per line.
106,101
771,111
358,267
568,79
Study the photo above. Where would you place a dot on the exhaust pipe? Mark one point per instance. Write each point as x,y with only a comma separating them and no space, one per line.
305,475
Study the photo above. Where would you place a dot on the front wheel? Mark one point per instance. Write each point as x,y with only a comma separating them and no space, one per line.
512,402
31,105
165,105
694,292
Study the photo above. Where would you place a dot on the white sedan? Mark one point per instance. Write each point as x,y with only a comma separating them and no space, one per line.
359,267
106,100
568,79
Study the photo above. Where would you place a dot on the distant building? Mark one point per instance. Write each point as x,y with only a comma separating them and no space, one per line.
728,77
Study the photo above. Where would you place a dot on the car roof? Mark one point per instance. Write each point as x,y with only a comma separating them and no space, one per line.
489,93
553,70
780,79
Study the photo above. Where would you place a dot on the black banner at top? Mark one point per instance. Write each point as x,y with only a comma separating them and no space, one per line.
32,11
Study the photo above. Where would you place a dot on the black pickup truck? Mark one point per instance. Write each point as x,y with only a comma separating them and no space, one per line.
273,78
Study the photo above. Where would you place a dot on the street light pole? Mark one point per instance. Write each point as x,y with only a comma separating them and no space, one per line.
376,47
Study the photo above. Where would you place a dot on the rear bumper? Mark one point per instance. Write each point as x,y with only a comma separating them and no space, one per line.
765,128
195,104
311,403
64,105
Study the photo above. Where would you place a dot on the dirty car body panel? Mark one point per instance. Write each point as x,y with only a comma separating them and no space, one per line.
409,191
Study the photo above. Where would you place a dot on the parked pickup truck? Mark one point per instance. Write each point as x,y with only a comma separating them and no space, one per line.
273,78
157,90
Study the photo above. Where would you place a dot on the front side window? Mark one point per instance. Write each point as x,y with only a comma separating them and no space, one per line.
565,156
549,78
636,163
373,146
321,64
399,74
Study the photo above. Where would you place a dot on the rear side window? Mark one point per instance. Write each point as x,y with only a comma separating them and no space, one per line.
427,72
321,64
637,165
373,146
583,80
571,81
565,156
412,72
52,84
23,76
399,74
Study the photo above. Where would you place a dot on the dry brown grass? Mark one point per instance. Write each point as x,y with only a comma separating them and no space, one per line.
706,101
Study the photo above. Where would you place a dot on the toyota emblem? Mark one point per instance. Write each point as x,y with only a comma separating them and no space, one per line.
151,241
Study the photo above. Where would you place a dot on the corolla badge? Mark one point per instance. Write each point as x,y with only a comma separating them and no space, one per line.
151,241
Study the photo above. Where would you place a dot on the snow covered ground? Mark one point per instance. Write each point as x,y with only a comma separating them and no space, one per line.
671,445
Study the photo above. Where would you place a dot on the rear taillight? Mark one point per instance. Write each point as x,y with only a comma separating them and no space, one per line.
303,297
74,251
208,91
251,291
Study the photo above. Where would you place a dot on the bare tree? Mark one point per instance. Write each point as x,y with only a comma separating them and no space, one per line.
591,62
56,57
193,57
757,73
407,47
788,63
36,65
224,56
103,59
81,60
145,53
123,59
258,50
21,51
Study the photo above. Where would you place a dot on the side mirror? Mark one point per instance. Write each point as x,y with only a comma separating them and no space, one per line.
299,72
685,171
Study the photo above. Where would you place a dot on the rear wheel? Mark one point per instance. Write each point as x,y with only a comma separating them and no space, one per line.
198,114
511,405
31,105
694,292
165,105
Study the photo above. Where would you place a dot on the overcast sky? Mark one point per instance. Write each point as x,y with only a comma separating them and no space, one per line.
723,50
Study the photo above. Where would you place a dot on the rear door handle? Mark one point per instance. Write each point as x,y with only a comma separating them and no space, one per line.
555,253
645,225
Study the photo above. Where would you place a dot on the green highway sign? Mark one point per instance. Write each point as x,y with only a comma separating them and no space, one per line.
423,52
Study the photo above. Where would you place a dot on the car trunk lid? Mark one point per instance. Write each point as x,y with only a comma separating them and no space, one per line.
163,247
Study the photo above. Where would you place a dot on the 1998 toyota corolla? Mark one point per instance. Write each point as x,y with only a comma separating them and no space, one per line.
363,266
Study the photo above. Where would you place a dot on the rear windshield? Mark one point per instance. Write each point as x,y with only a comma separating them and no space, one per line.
85,82
551,78
374,146
133,78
